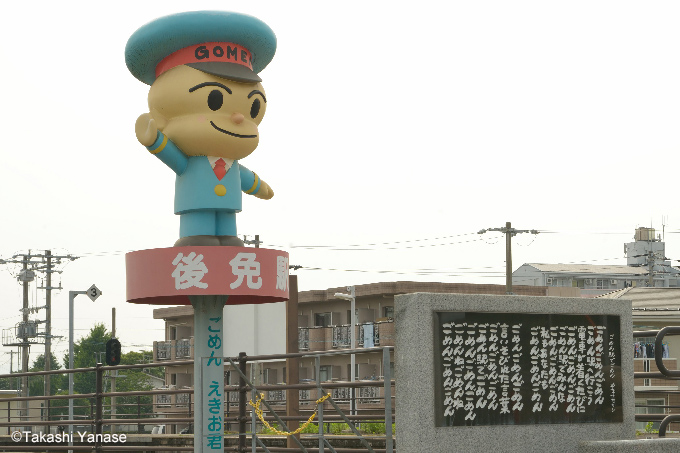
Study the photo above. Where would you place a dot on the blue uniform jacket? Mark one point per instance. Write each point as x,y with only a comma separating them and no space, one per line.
197,187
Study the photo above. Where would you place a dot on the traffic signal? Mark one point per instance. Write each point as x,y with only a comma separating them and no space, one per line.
113,352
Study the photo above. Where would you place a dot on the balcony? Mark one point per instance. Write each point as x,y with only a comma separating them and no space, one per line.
276,395
303,338
174,350
163,350
365,396
173,403
314,338
369,332
183,349
338,337
182,399
163,400
341,337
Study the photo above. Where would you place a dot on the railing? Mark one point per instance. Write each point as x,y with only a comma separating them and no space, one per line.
303,338
342,395
183,400
135,410
341,389
369,395
53,419
182,349
341,336
163,350
163,400
376,333
663,373
276,395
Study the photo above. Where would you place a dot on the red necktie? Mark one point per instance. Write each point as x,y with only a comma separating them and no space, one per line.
219,169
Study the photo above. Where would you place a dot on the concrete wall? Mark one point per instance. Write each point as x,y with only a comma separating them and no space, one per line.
415,374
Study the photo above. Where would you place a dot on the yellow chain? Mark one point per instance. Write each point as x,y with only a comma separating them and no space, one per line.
258,411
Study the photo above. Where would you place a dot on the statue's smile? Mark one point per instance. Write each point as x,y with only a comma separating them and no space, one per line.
233,134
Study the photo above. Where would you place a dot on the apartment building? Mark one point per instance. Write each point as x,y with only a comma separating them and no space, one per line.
654,309
324,323
646,266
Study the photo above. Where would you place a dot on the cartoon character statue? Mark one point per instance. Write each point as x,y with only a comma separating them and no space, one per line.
205,104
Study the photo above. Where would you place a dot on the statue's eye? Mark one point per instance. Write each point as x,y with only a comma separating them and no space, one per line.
215,100
255,108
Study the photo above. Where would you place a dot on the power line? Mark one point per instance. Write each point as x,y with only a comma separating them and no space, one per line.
365,249
26,330
453,273
387,243
509,232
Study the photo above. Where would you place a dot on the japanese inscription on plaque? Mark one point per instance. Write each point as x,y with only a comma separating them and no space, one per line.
515,368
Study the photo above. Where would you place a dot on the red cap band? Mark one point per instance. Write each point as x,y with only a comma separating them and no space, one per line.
207,52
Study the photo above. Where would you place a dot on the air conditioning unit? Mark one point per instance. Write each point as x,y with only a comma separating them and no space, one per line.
613,282
588,281
548,280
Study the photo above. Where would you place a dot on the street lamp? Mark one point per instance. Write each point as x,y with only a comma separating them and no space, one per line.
353,337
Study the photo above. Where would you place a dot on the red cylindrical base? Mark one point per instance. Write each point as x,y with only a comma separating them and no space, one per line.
168,276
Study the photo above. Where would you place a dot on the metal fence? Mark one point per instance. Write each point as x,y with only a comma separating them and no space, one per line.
663,373
94,409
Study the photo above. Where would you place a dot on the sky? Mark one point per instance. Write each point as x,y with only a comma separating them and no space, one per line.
394,132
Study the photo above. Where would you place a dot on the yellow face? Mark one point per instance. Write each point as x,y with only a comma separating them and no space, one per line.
207,115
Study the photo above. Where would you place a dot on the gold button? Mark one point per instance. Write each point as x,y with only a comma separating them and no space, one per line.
220,190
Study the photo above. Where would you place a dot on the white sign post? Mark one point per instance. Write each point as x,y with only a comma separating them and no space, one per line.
93,293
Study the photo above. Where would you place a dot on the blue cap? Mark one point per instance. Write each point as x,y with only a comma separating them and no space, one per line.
231,45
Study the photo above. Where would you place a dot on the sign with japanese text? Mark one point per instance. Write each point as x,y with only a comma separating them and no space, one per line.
168,276
518,368
212,369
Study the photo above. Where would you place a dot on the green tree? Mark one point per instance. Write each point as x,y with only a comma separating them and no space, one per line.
136,380
8,383
85,354
36,384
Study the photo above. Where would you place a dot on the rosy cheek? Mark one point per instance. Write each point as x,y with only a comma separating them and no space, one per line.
201,118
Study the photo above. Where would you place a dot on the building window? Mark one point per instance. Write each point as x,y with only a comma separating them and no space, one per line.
356,371
325,373
602,283
389,312
649,410
270,376
322,319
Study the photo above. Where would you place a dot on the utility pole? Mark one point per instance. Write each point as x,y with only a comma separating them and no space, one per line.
26,333
48,328
509,233
113,373
255,242
48,269
25,277
255,370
